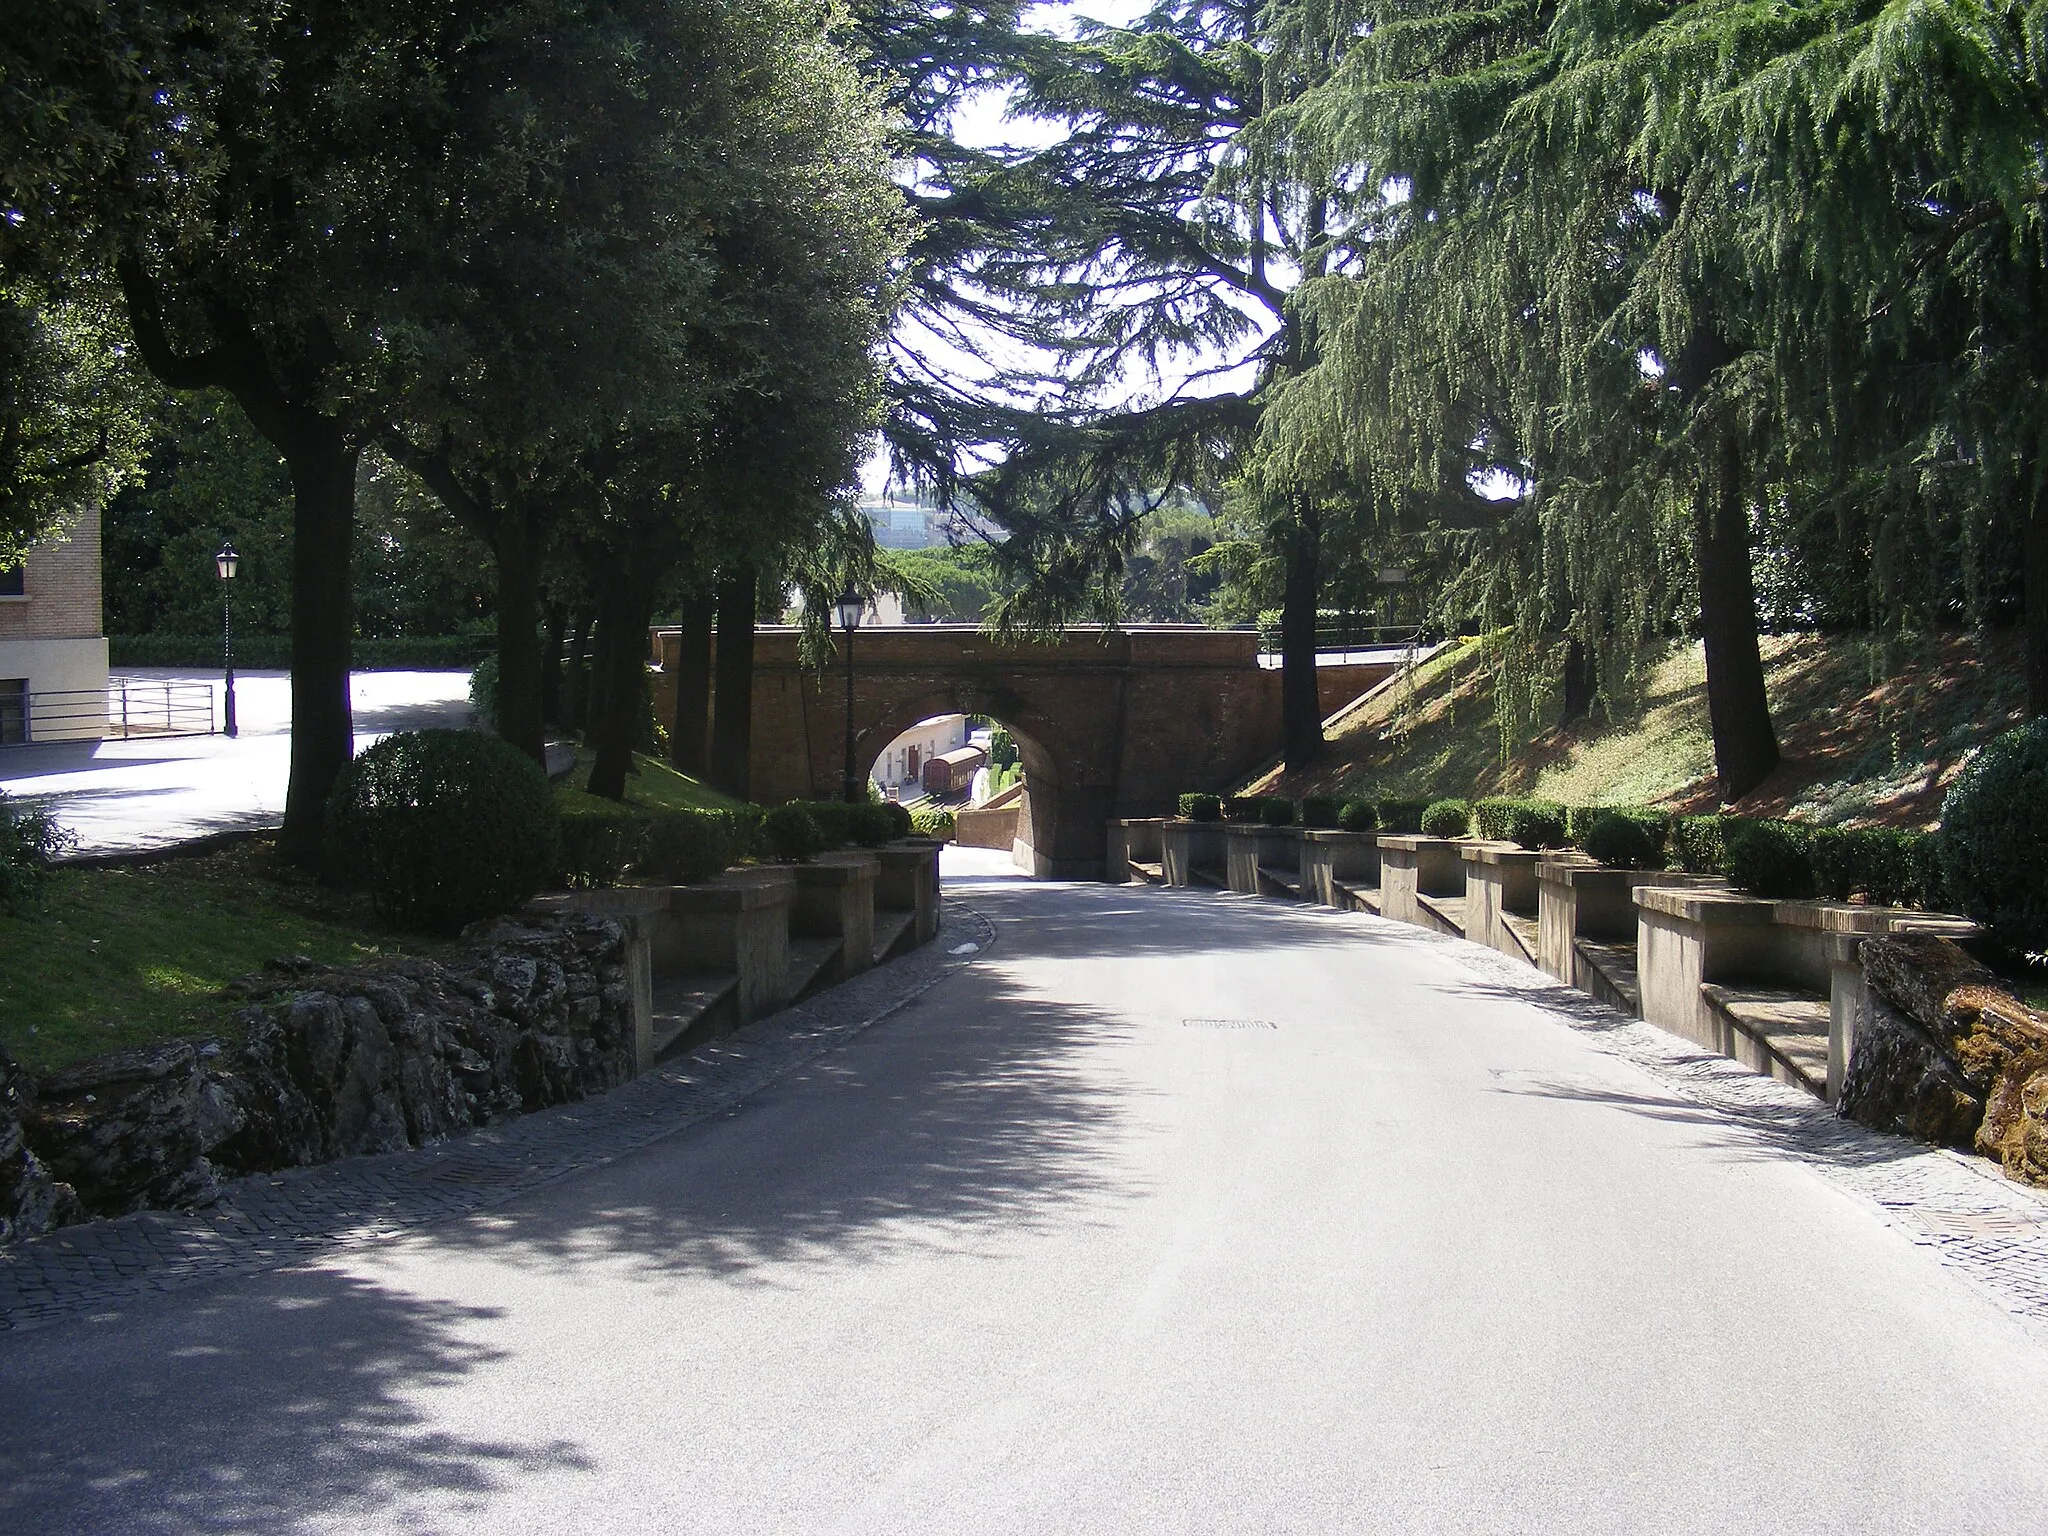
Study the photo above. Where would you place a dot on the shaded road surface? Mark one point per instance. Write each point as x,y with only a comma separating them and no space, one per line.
1174,1212
150,791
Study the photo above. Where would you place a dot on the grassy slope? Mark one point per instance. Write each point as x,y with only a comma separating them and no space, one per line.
655,787
135,953
1868,737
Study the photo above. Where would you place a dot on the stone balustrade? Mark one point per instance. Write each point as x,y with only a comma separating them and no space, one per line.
1500,888
1249,848
835,899
908,881
1413,866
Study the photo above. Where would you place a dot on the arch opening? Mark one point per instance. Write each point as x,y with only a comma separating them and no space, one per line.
994,778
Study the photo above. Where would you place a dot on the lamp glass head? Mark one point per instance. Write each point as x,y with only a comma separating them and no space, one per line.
849,609
226,561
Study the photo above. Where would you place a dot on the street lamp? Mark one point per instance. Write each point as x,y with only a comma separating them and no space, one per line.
849,609
225,563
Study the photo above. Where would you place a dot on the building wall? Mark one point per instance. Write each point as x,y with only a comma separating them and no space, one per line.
930,737
51,634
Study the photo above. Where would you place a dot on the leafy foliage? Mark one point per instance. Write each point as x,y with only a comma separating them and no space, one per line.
1994,839
1446,818
1626,839
1276,811
1767,858
791,833
1322,811
444,827
29,840
1358,816
1200,807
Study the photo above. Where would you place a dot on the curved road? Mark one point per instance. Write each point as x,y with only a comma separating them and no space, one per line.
1172,1212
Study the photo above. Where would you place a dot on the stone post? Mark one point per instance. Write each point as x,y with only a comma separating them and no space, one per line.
835,898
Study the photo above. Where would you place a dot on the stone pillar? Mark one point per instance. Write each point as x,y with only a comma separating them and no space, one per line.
1186,846
1576,898
1132,842
907,880
739,922
1412,866
835,898
1499,878
1241,846
1332,858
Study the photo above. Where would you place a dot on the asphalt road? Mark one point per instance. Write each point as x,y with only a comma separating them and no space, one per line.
1172,1213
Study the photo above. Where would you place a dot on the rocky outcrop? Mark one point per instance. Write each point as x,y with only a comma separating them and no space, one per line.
31,1201
339,1063
1948,1054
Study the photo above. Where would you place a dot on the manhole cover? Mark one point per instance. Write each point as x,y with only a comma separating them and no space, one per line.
1982,1223
1229,1024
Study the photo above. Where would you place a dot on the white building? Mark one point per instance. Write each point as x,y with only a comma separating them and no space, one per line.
900,768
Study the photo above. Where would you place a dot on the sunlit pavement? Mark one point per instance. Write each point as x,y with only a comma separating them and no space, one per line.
146,792
1167,1212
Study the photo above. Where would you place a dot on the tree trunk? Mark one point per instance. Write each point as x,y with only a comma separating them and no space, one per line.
732,708
519,662
1580,678
622,668
1301,709
2035,560
689,733
1738,709
551,664
576,675
323,470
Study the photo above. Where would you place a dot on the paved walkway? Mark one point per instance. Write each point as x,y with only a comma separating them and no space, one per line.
148,792
1160,1211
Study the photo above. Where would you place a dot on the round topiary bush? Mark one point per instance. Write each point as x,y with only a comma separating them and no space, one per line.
1358,816
1625,839
834,819
444,827
1993,846
1276,812
1199,807
1767,858
1401,815
871,825
1446,818
899,818
791,833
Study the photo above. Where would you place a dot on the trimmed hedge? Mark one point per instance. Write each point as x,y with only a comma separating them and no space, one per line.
1276,812
1401,815
1881,864
871,825
432,653
1243,809
1994,839
682,846
1447,818
1490,817
1696,844
899,818
1322,811
791,833
937,825
1200,807
1767,858
598,846
444,827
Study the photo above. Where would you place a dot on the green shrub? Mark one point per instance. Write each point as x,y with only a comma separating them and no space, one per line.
29,840
937,825
1199,807
834,819
1881,864
598,847
483,693
899,817
1358,816
1491,817
1579,819
444,827
1626,838
792,834
1276,812
1321,811
1994,839
870,826
682,846
1767,858
1696,844
1242,809
1446,818
1401,815
1536,824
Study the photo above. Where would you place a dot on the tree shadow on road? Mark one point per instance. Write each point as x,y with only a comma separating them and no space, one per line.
275,1402
977,1112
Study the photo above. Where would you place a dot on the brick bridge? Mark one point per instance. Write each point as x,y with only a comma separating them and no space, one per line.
1108,723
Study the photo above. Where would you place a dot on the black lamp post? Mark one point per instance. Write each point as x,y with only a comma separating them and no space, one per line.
225,563
848,609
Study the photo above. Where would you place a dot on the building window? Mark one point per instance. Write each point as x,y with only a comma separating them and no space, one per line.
14,583
13,710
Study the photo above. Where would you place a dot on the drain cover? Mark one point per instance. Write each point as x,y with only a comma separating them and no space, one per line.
1229,1024
1982,1223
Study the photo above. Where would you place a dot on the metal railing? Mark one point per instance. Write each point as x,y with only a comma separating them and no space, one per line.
130,706
1347,635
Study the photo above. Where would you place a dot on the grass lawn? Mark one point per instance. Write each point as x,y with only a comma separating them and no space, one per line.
125,955
654,787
